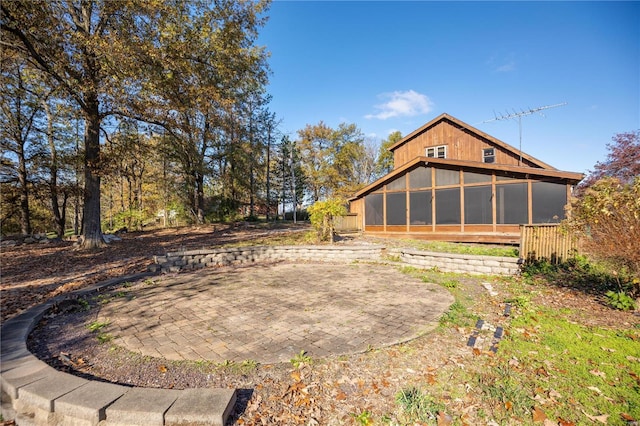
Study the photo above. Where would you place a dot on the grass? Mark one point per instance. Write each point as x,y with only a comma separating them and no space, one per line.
547,367
576,369
300,359
464,248
418,406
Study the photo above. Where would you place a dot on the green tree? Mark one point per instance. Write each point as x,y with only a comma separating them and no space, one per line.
335,162
177,64
384,162
20,111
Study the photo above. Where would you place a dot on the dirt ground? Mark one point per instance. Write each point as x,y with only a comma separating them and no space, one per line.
328,391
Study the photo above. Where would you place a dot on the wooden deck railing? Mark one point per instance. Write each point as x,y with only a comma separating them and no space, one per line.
547,241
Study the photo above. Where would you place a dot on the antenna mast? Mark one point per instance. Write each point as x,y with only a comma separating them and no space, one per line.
519,116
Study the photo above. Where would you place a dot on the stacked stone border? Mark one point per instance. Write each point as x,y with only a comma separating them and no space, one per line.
42,395
446,262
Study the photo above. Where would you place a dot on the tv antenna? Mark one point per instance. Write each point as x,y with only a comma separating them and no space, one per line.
519,115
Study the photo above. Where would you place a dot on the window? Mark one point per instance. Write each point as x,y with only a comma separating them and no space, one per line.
420,210
548,201
373,209
448,206
489,155
397,208
437,151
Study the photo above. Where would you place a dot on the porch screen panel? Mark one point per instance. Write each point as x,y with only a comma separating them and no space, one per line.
477,205
397,184
548,201
447,177
448,206
511,204
373,209
471,177
397,208
420,207
420,177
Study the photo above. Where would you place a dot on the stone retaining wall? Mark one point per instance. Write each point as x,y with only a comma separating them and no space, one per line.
446,262
196,259
460,263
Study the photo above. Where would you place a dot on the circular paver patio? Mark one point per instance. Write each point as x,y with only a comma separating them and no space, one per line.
270,312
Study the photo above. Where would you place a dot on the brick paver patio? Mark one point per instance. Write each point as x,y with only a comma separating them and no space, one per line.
270,312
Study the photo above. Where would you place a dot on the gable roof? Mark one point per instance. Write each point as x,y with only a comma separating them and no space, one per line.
571,177
462,125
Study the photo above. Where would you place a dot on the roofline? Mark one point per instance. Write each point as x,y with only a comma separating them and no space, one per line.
572,177
472,129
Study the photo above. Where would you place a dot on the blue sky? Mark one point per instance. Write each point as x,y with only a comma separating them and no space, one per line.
389,66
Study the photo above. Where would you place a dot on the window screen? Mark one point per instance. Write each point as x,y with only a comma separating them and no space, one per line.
437,151
373,209
397,208
448,206
447,177
398,184
420,208
477,205
548,201
511,204
471,177
489,155
420,177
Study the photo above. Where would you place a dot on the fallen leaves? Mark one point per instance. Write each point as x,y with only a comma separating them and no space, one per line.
602,418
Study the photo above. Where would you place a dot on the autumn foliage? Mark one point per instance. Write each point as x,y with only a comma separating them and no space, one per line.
607,216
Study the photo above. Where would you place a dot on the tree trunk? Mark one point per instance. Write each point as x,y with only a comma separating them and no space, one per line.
91,229
199,198
25,221
58,214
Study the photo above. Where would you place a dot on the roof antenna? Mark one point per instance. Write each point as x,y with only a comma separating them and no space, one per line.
519,116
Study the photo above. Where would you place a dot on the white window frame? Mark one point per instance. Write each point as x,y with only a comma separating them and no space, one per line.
486,155
439,151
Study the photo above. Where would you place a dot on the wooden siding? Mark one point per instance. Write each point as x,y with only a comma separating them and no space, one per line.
461,145
547,241
348,222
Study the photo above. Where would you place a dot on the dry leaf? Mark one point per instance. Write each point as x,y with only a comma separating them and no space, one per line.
607,349
598,373
508,405
595,389
162,368
562,422
538,415
341,396
627,417
444,419
295,375
601,418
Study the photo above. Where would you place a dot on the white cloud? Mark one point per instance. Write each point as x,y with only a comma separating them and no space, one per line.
507,67
402,104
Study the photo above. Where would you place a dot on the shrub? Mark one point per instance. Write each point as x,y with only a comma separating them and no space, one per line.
607,216
322,214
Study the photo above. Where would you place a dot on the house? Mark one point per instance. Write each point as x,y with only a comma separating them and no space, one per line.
453,182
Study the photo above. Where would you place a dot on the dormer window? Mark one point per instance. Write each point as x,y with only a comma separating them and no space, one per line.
437,151
489,155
